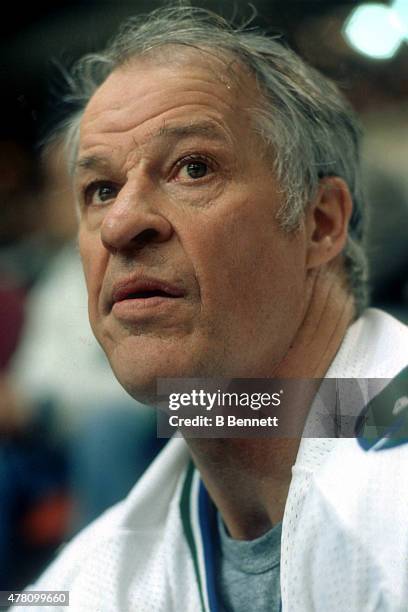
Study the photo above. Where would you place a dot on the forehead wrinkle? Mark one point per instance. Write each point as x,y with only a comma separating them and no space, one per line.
124,113
208,76
121,116
209,129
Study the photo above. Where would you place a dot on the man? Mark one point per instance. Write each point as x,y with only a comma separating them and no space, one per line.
220,229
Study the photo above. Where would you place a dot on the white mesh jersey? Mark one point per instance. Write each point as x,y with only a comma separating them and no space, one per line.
345,526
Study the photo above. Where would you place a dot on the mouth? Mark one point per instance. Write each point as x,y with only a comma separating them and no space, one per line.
134,295
148,294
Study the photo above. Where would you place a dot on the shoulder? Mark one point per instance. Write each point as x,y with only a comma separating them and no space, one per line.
350,549
354,540
375,345
354,480
363,497
122,555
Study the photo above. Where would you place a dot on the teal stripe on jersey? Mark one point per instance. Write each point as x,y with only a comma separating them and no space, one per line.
185,511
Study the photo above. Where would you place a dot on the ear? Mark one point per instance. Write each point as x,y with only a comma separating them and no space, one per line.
327,219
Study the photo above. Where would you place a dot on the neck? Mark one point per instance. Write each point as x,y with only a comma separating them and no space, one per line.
248,479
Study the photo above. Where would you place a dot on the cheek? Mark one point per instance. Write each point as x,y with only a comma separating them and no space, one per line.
250,272
239,252
94,258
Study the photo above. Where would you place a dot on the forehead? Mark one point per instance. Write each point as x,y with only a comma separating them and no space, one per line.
152,92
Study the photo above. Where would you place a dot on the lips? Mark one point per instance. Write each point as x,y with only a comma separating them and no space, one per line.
144,289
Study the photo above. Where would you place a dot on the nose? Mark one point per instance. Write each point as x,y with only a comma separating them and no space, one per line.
132,222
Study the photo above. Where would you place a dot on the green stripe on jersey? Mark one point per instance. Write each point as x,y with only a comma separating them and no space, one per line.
185,511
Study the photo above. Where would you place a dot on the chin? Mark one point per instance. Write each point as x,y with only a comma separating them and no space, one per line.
138,371
138,361
140,382
143,391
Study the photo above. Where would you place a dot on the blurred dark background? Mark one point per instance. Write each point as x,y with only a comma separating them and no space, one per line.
57,436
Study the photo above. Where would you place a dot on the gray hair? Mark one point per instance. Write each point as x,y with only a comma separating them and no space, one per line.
301,116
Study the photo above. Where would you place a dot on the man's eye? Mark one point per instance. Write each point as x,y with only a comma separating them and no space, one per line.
193,169
196,169
98,193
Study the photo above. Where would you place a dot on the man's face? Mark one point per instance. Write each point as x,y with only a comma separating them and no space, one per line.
188,272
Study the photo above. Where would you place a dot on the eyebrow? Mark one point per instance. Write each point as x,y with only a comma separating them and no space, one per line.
90,162
203,128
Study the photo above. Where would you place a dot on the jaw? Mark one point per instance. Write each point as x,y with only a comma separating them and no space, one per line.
330,311
139,360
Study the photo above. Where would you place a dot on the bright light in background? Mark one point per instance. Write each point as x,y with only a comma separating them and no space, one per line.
376,30
401,9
